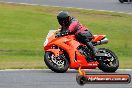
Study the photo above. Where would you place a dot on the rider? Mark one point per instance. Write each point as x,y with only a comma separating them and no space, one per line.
70,25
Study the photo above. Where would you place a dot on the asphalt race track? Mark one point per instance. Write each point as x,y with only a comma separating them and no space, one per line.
49,79
111,5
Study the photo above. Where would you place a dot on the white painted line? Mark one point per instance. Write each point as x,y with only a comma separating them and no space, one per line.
125,69
65,7
50,70
24,70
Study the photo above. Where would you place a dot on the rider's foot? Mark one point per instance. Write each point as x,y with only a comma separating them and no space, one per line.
95,51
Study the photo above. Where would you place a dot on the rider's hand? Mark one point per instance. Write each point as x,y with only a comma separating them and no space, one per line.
65,33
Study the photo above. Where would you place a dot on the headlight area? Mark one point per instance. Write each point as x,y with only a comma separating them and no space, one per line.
46,42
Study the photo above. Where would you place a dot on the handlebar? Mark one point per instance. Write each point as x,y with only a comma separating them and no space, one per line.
60,34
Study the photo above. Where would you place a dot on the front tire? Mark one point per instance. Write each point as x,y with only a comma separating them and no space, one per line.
56,67
111,65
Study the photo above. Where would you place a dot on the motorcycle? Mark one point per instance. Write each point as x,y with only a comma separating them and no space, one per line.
63,52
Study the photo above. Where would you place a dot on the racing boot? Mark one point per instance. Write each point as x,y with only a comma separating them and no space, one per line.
92,48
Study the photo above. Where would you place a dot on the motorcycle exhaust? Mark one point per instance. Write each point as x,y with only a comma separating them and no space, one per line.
104,41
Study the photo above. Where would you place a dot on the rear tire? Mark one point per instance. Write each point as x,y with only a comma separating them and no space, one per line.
121,1
54,66
107,68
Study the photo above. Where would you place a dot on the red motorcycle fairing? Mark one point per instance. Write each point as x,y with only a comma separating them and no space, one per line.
55,51
69,44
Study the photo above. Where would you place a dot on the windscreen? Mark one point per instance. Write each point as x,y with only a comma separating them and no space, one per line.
48,35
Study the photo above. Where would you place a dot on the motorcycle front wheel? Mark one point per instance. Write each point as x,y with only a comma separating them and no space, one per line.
109,64
56,64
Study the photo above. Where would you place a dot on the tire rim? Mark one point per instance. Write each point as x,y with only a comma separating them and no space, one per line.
56,61
110,61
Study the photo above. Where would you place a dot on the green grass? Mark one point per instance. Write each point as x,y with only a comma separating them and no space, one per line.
23,30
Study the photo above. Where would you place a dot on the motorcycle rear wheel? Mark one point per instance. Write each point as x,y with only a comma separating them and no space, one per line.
121,1
54,66
110,66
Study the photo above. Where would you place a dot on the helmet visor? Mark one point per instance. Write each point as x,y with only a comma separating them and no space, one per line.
63,21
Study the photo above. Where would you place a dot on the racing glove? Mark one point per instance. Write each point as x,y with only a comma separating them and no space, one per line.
63,33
